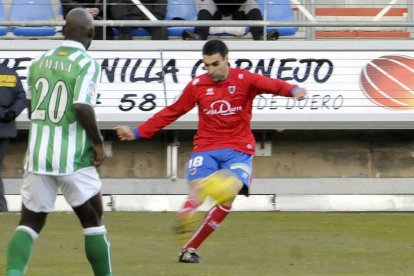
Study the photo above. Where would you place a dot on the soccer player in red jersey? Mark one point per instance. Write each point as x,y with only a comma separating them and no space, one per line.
221,162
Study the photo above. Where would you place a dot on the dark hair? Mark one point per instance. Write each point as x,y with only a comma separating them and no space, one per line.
215,46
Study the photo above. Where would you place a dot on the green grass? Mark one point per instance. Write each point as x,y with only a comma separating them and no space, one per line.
247,243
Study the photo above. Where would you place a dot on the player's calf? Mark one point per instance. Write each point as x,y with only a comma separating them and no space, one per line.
185,225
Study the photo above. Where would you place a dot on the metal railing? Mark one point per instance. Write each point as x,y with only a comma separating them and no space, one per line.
215,23
305,15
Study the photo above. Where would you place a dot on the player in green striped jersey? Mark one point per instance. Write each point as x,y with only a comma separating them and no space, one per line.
65,147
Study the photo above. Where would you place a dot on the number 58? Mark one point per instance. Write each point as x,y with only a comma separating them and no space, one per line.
128,103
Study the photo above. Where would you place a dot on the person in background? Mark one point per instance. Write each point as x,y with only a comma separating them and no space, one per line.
65,147
237,9
96,9
12,102
221,163
127,10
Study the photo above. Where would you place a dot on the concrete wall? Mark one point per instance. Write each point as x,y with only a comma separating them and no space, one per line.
306,169
294,154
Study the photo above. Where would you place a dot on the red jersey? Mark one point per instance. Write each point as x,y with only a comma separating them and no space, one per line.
224,109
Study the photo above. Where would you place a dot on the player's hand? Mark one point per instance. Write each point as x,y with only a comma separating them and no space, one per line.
98,155
300,94
125,133
93,11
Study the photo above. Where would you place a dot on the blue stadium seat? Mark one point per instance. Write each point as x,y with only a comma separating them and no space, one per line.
3,30
140,32
180,10
32,10
278,10
135,32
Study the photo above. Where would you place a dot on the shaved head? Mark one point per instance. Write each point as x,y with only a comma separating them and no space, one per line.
79,26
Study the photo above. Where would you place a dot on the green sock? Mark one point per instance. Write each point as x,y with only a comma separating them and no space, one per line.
98,250
20,250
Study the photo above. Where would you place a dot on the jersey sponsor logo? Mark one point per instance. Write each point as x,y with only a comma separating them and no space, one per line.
63,53
210,91
8,80
222,107
232,89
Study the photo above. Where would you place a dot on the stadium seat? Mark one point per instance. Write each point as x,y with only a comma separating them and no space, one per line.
278,10
135,32
361,12
180,10
32,10
140,32
3,30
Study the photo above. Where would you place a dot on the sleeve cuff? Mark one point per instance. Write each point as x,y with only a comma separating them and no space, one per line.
294,89
136,133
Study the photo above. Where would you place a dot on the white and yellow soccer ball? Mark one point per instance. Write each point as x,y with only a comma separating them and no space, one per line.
221,186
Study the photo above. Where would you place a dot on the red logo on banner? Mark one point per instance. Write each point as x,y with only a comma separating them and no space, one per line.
388,81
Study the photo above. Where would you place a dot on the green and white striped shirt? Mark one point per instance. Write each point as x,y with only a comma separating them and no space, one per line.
57,79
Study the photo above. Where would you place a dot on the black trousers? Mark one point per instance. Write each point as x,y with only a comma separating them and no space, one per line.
99,31
254,14
3,146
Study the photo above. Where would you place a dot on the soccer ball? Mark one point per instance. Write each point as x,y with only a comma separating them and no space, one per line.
221,186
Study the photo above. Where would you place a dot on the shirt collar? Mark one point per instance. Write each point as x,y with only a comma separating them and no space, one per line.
73,44
229,75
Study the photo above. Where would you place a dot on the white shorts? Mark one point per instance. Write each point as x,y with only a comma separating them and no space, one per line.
39,191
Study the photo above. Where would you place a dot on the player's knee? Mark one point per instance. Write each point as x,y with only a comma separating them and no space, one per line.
223,186
90,220
88,215
33,220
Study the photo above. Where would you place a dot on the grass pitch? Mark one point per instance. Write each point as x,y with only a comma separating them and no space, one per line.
247,243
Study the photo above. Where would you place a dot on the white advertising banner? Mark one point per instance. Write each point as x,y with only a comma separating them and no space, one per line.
355,89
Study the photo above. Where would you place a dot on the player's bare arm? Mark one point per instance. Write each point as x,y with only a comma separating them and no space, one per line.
85,115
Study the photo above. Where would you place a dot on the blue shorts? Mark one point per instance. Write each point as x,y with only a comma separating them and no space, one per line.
202,164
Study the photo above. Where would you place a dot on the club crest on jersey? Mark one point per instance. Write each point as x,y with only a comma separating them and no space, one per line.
193,171
232,89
